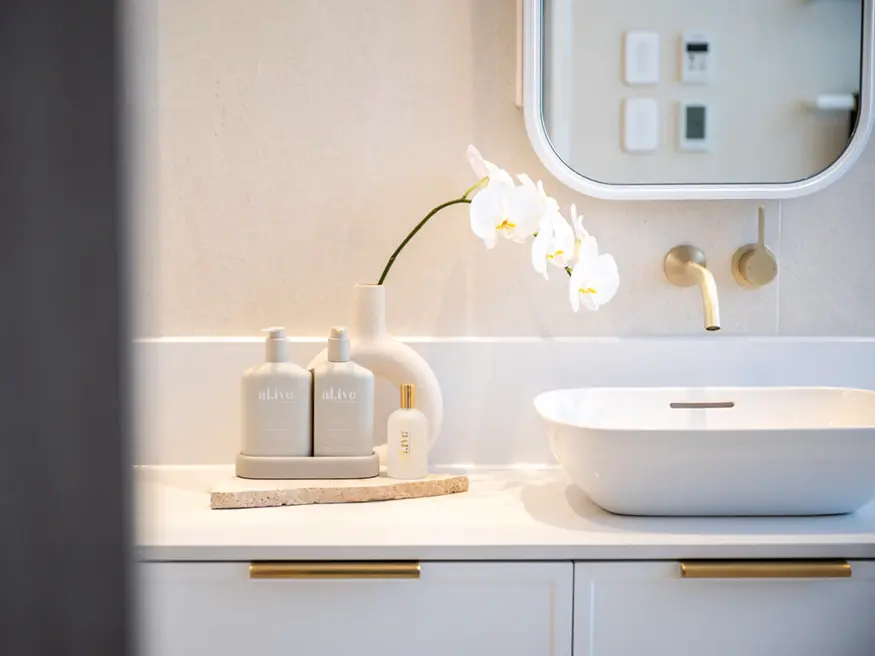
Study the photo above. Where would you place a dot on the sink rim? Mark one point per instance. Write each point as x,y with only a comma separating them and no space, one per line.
549,414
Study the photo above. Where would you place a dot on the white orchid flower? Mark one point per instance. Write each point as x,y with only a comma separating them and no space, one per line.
554,243
580,232
483,168
528,205
594,279
501,208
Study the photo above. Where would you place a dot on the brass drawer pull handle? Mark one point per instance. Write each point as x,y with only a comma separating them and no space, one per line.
765,569
334,570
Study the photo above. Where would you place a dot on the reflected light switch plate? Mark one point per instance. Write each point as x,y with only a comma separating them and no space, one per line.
694,131
641,57
640,125
696,58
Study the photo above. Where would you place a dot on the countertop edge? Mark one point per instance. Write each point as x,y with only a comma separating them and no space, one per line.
505,516
851,551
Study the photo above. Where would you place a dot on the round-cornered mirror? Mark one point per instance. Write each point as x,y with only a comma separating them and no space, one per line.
672,99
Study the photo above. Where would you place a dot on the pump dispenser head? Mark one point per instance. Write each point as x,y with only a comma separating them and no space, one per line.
338,344
275,349
408,396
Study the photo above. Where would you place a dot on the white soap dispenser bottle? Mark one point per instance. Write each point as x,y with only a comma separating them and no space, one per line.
407,451
343,402
277,402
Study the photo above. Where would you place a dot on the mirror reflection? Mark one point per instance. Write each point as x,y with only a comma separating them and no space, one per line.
701,91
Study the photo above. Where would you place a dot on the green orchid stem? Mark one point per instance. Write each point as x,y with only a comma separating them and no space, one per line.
475,186
457,201
568,271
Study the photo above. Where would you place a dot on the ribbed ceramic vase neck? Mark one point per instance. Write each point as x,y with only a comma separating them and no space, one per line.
369,321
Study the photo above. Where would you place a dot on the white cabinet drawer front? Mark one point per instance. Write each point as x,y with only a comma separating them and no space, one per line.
649,609
216,609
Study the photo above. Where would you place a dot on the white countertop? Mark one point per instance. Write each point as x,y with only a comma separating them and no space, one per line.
506,515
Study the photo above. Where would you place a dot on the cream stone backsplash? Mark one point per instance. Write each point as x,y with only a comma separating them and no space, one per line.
283,149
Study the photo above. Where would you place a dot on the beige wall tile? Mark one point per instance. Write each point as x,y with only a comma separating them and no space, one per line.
828,245
298,142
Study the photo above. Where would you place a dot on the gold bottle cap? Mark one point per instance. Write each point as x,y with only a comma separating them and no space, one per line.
408,396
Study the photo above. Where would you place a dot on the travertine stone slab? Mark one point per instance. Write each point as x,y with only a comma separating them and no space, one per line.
246,493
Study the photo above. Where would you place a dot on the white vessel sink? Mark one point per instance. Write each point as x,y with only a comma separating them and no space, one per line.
716,451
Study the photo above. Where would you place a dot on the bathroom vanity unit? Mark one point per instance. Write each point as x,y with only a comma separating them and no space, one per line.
523,564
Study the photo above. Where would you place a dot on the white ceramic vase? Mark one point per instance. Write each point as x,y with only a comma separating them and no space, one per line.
374,348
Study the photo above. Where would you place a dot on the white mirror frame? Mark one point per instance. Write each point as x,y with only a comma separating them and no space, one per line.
533,106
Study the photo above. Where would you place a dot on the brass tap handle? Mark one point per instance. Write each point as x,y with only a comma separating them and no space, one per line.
754,265
761,227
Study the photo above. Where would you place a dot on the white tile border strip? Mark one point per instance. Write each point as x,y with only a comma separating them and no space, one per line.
187,408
